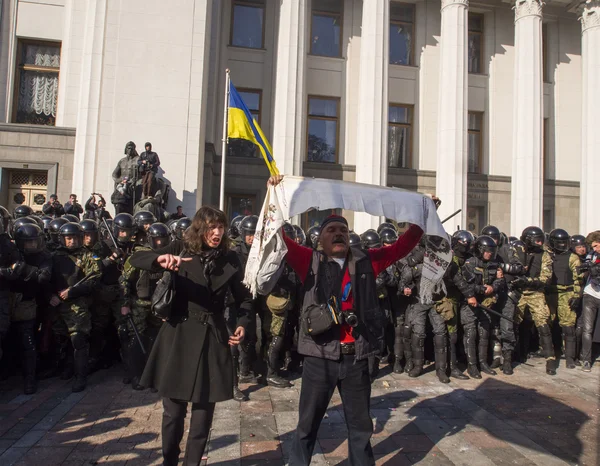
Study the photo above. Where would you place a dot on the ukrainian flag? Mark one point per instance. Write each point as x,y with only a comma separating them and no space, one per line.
241,125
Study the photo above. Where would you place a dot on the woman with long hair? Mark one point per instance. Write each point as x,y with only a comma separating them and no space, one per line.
191,360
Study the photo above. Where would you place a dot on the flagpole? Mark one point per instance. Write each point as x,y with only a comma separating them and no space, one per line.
224,142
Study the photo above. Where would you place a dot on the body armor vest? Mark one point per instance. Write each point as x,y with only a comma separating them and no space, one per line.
561,272
534,261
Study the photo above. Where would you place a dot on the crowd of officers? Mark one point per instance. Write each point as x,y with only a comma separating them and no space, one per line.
72,303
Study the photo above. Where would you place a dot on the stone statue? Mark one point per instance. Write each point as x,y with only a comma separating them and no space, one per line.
127,166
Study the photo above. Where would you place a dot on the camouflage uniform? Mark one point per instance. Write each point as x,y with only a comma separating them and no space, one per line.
539,273
69,268
563,289
533,298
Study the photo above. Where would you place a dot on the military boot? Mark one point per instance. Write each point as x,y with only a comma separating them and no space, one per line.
455,372
418,355
547,348
507,364
29,364
441,355
398,366
81,369
406,333
273,377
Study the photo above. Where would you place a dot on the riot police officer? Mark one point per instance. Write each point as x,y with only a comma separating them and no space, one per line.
9,256
91,234
248,347
564,292
31,278
137,288
387,285
370,240
481,272
579,246
113,253
538,273
22,211
355,241
53,230
511,267
74,275
234,228
312,236
143,219
181,226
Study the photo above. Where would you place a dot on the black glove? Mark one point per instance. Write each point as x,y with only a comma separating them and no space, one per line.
574,303
519,283
19,268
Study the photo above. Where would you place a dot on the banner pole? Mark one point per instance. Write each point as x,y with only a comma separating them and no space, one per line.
224,141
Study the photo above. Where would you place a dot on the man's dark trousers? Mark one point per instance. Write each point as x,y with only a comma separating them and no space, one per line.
320,377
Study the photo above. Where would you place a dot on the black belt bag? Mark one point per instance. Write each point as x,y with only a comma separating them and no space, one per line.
317,319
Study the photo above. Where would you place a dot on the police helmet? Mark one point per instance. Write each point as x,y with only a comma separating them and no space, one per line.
71,218
29,239
312,236
462,241
578,240
71,230
388,236
46,222
493,232
105,233
234,228
22,211
124,228
248,226
370,239
143,219
300,235
22,221
531,236
512,239
182,225
385,225
355,240
289,231
518,245
5,221
559,240
159,235
54,228
90,229
485,244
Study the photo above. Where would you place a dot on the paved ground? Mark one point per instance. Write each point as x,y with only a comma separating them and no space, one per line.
526,419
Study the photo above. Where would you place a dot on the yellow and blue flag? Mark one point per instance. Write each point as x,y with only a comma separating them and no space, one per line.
241,125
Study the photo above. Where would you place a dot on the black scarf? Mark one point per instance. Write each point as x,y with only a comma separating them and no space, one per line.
208,256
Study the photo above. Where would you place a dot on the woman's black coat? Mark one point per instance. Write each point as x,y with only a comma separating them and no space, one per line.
191,360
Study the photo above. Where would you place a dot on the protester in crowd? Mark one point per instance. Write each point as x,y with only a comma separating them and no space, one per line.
96,209
190,360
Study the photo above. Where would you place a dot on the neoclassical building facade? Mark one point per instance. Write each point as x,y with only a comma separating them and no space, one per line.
489,104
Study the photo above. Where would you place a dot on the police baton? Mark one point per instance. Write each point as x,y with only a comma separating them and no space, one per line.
86,278
137,334
496,313
453,215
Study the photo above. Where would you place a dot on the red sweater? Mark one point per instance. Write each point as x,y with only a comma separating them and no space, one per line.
299,258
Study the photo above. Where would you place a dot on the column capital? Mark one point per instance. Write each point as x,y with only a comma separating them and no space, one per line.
446,3
589,14
525,8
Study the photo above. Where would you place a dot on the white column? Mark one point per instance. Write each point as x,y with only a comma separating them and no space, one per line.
527,163
290,78
88,107
452,158
371,151
589,192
